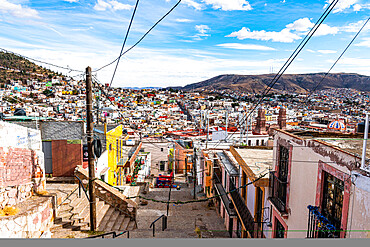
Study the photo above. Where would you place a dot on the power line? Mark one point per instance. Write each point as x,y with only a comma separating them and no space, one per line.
140,38
350,43
43,62
290,59
124,42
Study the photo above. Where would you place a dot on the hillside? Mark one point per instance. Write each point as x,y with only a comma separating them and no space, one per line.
13,67
290,83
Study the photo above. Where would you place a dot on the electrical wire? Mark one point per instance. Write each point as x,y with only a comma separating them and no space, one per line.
124,42
43,62
290,59
139,39
350,43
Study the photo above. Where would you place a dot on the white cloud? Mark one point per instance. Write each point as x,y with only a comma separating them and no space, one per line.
325,30
193,4
183,20
112,5
290,33
357,7
246,47
17,10
355,27
326,51
300,25
341,5
229,4
364,43
71,1
283,36
202,30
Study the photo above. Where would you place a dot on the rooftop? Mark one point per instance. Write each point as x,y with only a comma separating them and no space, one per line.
229,165
259,161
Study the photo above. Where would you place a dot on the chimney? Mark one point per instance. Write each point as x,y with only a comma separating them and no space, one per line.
261,122
282,118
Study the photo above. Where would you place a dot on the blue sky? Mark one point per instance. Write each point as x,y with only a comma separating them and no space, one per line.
198,40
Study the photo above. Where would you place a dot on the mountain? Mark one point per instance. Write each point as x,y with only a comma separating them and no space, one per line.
13,67
289,83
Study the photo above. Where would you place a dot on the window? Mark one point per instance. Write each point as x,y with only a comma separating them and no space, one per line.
249,142
279,230
161,149
262,142
279,180
257,142
332,201
283,172
161,166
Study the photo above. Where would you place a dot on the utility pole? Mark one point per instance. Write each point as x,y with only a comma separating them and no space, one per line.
207,129
226,123
366,133
90,150
195,171
97,109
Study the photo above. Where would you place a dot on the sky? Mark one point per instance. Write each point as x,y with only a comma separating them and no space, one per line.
200,39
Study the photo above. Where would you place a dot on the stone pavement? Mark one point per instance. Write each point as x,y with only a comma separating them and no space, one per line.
182,219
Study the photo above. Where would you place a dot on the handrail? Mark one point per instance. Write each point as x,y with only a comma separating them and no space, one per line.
164,223
128,234
80,184
104,234
127,214
114,234
67,198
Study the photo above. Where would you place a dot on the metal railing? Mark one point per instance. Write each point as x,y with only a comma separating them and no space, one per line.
319,226
278,192
164,223
80,184
114,234
245,215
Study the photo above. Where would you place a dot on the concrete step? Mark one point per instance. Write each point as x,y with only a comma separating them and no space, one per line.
77,201
117,224
108,227
131,225
100,215
99,206
106,218
124,224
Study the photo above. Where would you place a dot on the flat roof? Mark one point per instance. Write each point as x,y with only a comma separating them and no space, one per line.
350,145
259,161
229,166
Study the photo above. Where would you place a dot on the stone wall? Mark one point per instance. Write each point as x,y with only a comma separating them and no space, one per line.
21,164
34,219
110,195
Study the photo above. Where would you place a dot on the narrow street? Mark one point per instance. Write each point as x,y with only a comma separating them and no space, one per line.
182,218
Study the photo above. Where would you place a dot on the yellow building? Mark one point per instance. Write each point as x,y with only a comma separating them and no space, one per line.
116,154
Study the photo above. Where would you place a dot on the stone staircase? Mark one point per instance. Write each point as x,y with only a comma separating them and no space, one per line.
73,217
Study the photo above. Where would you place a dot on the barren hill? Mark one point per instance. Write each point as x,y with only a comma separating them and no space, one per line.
292,83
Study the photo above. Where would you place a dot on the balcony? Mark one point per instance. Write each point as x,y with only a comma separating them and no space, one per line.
242,209
278,191
225,199
319,226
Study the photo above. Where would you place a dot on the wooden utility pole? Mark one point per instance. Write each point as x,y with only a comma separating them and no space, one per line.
90,150
195,171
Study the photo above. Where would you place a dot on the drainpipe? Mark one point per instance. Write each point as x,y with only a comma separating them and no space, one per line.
366,132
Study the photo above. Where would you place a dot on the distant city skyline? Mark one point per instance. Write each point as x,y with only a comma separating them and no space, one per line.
198,40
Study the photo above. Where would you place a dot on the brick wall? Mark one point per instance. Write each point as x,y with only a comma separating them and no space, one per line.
20,174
